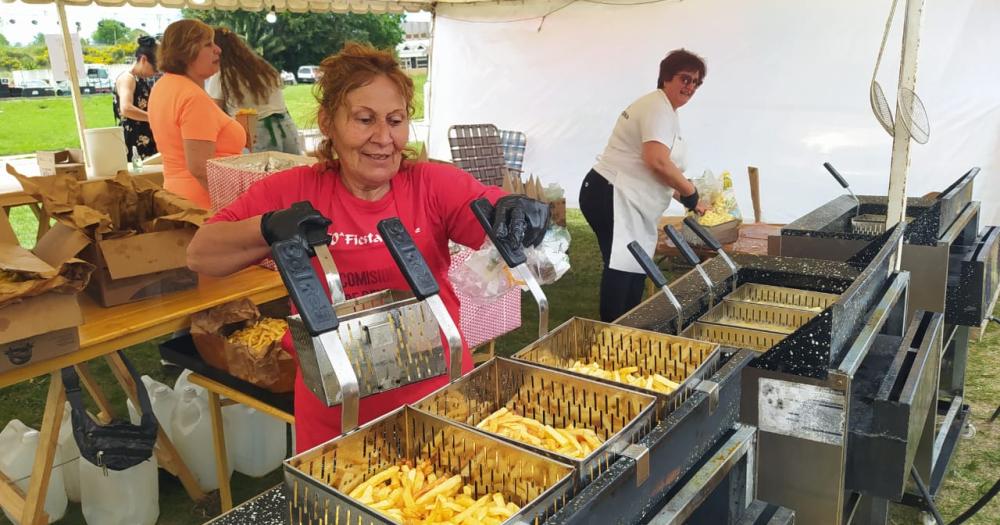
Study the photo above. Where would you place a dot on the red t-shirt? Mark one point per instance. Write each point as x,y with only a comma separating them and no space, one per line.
432,201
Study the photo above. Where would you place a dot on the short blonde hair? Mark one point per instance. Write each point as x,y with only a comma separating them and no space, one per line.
181,43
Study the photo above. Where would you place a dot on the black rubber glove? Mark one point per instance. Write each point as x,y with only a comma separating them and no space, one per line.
520,221
301,219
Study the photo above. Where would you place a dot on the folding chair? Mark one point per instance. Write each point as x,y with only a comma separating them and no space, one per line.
476,149
513,143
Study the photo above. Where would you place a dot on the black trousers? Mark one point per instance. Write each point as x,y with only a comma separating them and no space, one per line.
620,291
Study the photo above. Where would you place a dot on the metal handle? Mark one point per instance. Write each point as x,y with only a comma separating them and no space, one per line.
512,255
647,264
404,251
836,174
682,246
702,233
292,259
425,287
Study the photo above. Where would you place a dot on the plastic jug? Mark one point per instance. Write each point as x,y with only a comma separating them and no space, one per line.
126,497
164,400
183,382
192,435
68,457
18,444
255,441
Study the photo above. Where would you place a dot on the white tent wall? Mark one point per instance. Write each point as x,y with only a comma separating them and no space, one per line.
787,89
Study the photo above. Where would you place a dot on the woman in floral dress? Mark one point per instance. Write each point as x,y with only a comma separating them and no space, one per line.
131,95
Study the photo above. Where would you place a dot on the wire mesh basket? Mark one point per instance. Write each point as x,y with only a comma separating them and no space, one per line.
618,416
732,336
319,480
781,296
391,339
615,347
766,317
869,224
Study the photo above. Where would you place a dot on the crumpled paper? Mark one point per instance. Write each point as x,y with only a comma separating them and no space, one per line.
23,275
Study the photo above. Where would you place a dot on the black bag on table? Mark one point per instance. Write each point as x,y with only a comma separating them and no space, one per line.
118,445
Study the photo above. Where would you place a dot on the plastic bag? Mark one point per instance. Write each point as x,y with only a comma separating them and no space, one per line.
484,276
717,193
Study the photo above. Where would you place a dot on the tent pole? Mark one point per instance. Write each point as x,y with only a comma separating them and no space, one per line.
429,89
74,76
896,212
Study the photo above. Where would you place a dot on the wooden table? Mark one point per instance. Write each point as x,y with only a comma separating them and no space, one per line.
753,239
106,330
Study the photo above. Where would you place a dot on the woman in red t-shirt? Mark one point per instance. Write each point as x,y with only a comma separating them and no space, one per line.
365,102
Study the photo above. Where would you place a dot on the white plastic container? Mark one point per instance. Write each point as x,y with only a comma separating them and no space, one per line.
18,444
68,457
255,441
192,435
127,497
164,401
183,382
106,152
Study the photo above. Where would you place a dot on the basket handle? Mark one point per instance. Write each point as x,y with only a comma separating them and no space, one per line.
647,264
682,245
409,259
702,234
291,256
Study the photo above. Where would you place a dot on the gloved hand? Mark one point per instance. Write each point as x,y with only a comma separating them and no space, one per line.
300,219
520,221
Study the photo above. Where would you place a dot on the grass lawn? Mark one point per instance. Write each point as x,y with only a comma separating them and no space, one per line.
973,470
48,123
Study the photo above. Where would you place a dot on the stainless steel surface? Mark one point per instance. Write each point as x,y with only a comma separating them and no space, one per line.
330,272
319,480
677,307
639,454
769,318
680,507
618,416
613,347
521,271
733,336
870,224
332,349
451,334
881,314
711,388
953,410
781,296
391,340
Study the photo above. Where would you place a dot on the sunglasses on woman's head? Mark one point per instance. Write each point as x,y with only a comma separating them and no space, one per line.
687,80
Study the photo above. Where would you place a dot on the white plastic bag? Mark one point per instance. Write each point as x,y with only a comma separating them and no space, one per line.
718,195
550,260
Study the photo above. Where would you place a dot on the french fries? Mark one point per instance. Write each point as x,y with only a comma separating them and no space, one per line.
412,495
261,336
574,442
628,375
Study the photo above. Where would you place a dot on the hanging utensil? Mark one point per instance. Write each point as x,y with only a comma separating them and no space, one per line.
655,275
876,97
843,182
424,285
691,258
516,261
911,111
909,108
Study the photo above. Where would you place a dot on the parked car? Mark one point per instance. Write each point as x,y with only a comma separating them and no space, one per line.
97,78
37,88
63,89
309,74
288,78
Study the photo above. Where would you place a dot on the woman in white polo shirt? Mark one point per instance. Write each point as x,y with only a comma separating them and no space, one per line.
245,80
641,169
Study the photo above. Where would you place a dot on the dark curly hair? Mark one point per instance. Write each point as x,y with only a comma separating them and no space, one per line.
147,48
680,60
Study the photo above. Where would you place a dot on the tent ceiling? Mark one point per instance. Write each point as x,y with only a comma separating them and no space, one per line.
294,6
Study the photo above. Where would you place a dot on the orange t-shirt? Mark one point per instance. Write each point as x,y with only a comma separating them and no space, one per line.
179,110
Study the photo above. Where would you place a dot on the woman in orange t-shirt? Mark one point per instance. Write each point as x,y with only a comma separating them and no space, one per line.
188,126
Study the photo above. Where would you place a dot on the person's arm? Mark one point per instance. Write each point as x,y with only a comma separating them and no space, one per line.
656,156
222,248
125,86
196,155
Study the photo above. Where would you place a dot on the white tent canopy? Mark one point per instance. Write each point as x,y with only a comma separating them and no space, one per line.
787,89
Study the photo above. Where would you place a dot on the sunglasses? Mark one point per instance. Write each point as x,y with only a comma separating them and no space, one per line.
687,80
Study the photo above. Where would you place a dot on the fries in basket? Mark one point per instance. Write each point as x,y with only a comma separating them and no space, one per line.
416,495
574,442
628,375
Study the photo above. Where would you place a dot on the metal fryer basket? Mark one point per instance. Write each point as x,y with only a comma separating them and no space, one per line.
391,339
869,224
618,416
319,479
683,361
766,317
733,336
781,296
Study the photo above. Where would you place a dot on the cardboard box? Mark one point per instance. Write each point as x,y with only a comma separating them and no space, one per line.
62,162
557,211
134,233
27,337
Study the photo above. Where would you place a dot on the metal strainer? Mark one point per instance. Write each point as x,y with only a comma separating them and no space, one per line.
909,107
880,106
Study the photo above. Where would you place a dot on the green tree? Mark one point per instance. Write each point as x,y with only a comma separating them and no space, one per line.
39,40
110,32
305,38
3,41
